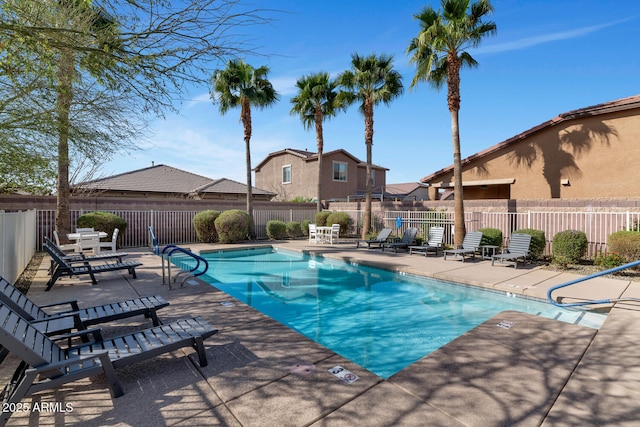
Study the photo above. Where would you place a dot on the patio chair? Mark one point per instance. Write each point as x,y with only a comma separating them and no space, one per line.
408,238
334,234
46,365
63,267
518,248
313,234
380,239
433,243
470,245
111,245
89,241
79,257
74,317
66,247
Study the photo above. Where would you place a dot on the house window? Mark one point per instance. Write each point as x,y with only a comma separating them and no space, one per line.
373,178
286,174
339,171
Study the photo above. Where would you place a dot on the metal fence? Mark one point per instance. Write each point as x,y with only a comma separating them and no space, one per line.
170,227
596,225
176,226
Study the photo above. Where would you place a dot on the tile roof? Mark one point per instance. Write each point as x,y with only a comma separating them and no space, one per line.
622,104
403,188
309,156
166,179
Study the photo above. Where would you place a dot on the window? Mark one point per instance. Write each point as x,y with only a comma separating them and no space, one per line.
286,174
339,171
373,178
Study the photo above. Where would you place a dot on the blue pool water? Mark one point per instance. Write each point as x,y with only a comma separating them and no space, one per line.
381,320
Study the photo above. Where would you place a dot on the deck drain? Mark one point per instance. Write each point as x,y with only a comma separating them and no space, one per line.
302,369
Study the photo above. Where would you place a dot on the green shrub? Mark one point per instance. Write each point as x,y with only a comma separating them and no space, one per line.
233,226
569,247
103,221
293,229
321,218
204,224
538,241
276,229
341,218
491,236
626,244
304,227
608,261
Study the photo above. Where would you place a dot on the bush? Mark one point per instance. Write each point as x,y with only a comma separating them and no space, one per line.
491,236
569,247
608,261
233,226
276,229
293,229
304,227
538,242
321,218
341,218
204,224
626,244
103,221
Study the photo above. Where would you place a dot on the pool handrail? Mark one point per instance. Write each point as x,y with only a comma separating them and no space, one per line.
591,276
170,249
154,241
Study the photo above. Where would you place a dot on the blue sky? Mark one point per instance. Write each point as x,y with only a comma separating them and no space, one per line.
548,57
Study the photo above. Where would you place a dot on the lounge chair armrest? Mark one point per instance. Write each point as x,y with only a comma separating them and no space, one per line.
96,332
72,302
64,363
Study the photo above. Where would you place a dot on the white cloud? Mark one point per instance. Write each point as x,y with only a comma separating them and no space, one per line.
545,38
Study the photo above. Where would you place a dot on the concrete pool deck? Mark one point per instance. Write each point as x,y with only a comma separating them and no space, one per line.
538,372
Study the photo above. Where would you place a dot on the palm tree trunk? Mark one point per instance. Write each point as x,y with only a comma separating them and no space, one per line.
320,141
453,100
368,140
458,227
246,122
66,68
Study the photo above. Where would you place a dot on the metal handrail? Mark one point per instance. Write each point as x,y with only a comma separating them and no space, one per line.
166,254
591,276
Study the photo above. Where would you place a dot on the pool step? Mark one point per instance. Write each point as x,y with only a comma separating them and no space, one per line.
583,318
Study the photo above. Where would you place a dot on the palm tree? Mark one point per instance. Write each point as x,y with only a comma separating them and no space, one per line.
316,100
439,54
371,80
102,32
241,85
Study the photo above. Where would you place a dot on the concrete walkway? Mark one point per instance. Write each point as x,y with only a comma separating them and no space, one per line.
260,373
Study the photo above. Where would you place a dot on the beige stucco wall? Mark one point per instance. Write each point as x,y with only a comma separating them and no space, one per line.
588,157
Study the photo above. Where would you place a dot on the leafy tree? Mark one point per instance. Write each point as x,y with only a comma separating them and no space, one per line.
241,85
370,81
439,53
79,67
317,100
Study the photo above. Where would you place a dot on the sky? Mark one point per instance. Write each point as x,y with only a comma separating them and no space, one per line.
548,57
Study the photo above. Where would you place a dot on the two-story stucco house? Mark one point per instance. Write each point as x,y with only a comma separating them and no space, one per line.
293,173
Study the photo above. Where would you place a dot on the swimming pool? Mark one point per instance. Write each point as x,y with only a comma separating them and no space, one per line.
378,319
